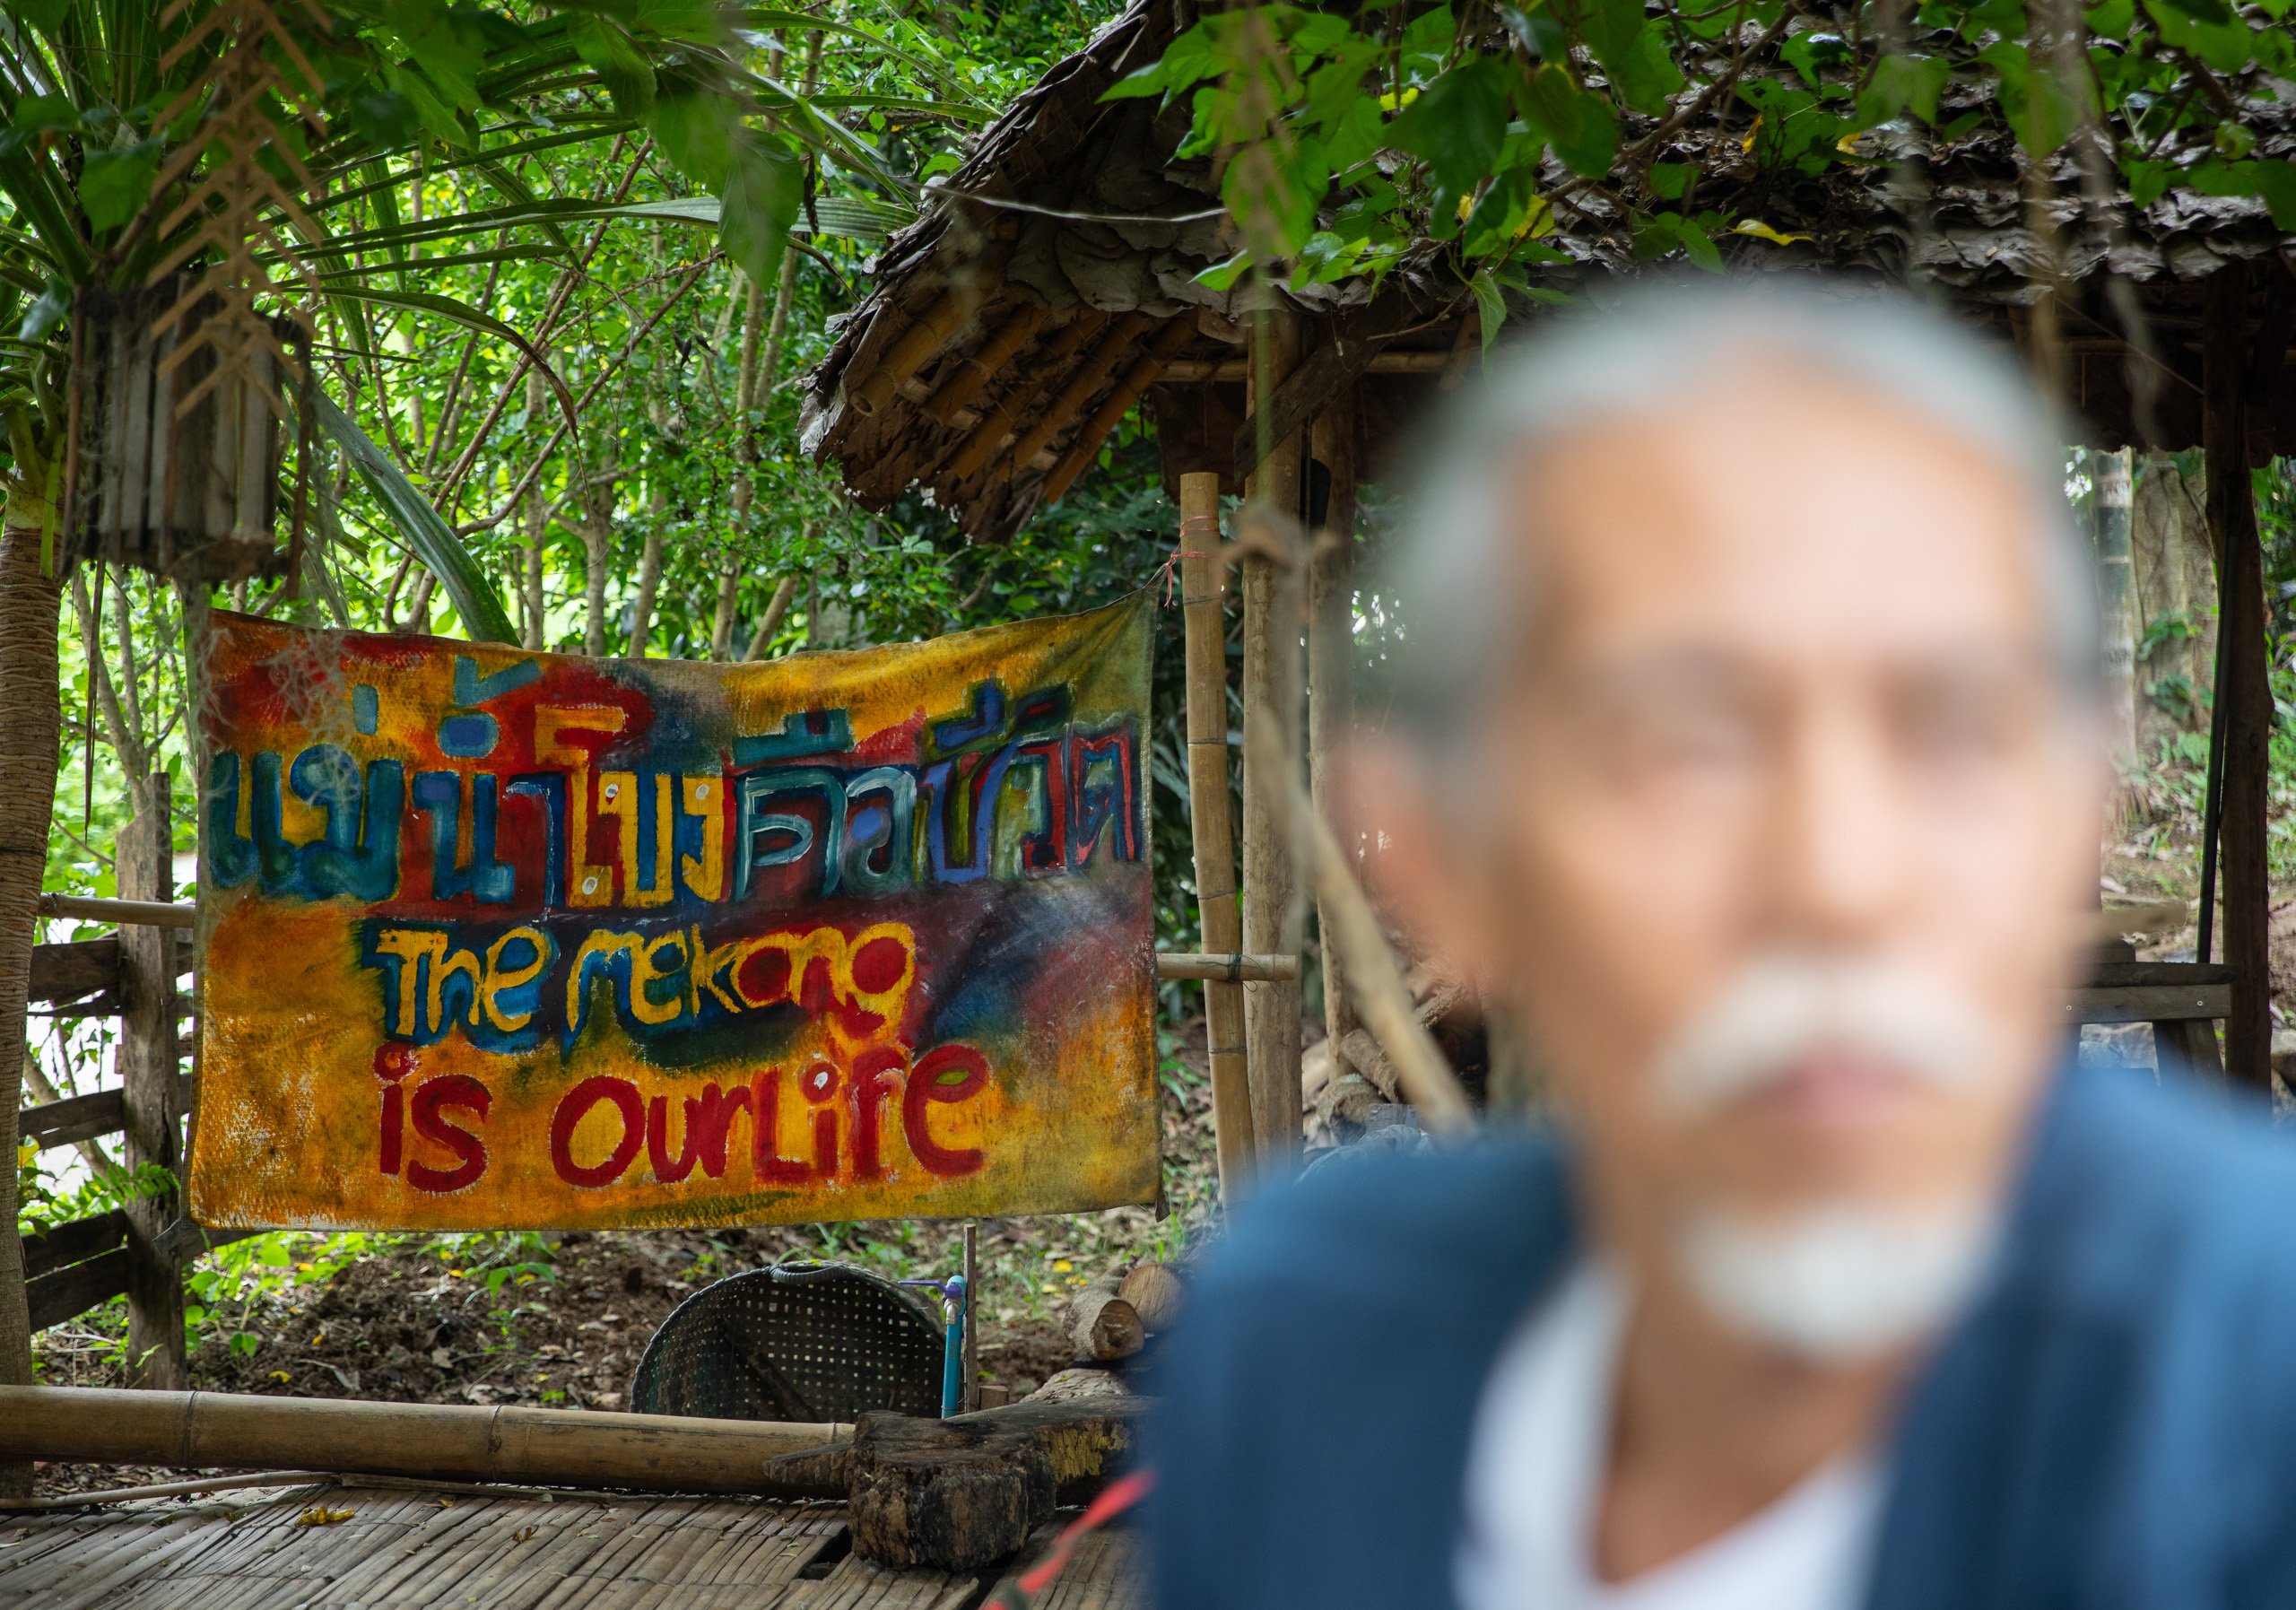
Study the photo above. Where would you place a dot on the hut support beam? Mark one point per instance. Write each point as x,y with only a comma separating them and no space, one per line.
1331,662
2244,687
1203,589
1271,623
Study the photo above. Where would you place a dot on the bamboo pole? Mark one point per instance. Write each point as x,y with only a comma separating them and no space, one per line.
1203,584
980,367
1228,966
1089,375
1000,421
151,913
1136,380
934,329
579,1447
1331,663
1271,631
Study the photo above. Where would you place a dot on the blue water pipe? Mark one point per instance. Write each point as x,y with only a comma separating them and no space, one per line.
956,1313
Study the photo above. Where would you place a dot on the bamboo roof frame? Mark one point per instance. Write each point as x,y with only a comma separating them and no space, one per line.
1050,283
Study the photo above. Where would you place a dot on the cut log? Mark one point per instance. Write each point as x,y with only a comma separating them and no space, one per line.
1154,1292
946,1494
1102,1325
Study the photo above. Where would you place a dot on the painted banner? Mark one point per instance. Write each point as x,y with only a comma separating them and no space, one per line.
499,939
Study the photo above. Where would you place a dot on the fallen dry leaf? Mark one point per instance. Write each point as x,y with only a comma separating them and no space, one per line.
522,1533
319,1515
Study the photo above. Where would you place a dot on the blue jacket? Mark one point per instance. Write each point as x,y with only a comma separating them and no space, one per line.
2113,1423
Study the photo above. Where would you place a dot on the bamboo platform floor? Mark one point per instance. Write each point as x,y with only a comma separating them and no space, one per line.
410,1546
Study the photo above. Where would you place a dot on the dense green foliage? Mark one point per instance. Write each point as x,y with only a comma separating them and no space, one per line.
1350,138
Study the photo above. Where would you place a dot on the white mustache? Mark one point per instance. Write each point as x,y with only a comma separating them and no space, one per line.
1786,1006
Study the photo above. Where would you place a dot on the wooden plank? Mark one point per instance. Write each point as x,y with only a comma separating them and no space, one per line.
149,1107
71,1292
76,1118
2150,1003
2245,691
2110,974
79,1118
79,967
71,1243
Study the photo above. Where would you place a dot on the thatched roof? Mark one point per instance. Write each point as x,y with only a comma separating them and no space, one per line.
1001,342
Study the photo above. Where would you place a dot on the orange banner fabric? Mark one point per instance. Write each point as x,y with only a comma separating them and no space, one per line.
491,939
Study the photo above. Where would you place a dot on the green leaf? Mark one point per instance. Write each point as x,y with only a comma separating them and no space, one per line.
433,540
2207,29
2042,109
462,313
2110,19
763,187
55,305
696,21
1645,75
696,133
2275,181
1458,123
1666,233
1222,276
37,112
606,46
1668,180
1901,84
1490,303
47,15
115,184
1537,32
1426,41
2147,181
1579,124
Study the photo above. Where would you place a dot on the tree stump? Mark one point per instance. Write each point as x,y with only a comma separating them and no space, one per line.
951,1495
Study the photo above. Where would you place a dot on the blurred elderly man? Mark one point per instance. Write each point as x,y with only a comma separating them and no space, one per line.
1748,759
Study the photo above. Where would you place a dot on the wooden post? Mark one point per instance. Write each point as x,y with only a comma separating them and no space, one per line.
970,1399
2244,688
1203,586
1331,661
1271,626
147,1076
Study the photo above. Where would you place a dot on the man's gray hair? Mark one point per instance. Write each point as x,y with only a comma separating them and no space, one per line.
1461,594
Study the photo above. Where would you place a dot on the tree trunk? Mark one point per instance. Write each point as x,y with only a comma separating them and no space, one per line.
537,522
649,583
771,622
597,543
721,623
28,605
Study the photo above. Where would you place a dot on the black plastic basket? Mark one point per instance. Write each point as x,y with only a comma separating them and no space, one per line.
813,1342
